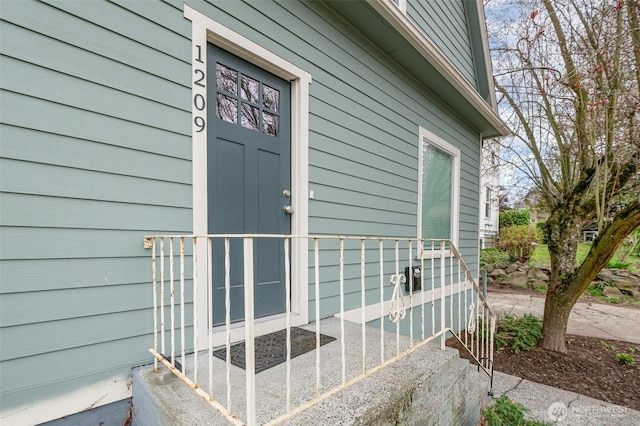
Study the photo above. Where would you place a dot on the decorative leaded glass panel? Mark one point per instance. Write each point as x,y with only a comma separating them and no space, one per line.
226,79
227,108
250,116
270,98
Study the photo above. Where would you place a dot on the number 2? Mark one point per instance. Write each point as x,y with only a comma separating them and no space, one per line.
199,80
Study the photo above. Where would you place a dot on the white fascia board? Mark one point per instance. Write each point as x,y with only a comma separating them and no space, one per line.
394,16
486,55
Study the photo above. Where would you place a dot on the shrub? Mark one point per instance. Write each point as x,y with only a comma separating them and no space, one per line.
491,256
616,264
595,290
518,242
509,218
518,333
507,412
541,233
625,359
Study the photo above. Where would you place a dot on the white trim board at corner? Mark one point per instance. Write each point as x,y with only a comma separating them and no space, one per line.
97,394
372,312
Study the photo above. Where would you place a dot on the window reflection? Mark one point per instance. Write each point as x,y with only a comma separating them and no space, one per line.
250,117
227,108
250,89
259,104
226,79
270,123
270,97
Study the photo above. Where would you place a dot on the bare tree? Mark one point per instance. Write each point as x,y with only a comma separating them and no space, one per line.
567,72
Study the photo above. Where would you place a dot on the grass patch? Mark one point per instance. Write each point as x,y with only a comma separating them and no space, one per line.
540,256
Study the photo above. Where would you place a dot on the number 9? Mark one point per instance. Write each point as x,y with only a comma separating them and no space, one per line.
199,122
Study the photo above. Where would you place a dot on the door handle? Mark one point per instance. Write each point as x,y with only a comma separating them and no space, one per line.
288,209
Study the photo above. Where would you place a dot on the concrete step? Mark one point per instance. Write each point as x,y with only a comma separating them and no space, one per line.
427,386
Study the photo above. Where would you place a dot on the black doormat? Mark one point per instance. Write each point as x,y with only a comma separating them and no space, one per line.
271,349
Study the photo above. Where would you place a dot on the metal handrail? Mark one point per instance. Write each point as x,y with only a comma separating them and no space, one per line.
474,328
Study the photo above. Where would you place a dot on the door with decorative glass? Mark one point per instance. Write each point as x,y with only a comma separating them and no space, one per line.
248,178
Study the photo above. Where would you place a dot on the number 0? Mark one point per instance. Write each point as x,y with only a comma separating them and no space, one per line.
198,102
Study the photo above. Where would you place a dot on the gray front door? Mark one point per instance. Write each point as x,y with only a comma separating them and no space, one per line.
249,174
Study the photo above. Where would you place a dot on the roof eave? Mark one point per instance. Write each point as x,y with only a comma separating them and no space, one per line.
418,40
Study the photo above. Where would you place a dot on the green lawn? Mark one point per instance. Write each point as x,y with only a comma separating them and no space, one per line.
541,257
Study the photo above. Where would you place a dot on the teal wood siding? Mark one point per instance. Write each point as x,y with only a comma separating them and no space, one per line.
445,24
364,118
96,153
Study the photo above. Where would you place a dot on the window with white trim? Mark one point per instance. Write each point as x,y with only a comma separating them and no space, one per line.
402,5
438,188
487,203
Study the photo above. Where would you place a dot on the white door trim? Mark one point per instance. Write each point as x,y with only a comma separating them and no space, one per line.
205,29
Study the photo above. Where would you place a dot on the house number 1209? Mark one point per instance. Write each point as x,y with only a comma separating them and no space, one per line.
198,99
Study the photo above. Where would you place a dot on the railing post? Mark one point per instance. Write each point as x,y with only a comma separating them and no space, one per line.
210,313
182,320
342,340
227,316
250,354
155,302
162,301
316,276
287,298
173,302
195,311
381,273
443,304
363,302
484,284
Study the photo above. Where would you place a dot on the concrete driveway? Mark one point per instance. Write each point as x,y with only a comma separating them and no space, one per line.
587,319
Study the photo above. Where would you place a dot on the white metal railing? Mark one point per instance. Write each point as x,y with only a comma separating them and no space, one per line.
369,274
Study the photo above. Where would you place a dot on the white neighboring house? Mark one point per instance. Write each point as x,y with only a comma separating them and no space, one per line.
489,186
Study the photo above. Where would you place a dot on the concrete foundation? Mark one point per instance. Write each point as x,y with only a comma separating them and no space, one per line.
115,414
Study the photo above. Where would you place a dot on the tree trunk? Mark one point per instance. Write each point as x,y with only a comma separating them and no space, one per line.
563,232
567,282
554,322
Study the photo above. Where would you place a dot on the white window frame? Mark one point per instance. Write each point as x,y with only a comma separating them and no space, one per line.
487,202
426,136
207,30
401,4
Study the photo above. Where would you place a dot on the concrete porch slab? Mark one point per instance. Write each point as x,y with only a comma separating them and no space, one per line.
429,386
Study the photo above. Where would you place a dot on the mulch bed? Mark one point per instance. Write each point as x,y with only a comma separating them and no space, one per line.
588,368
